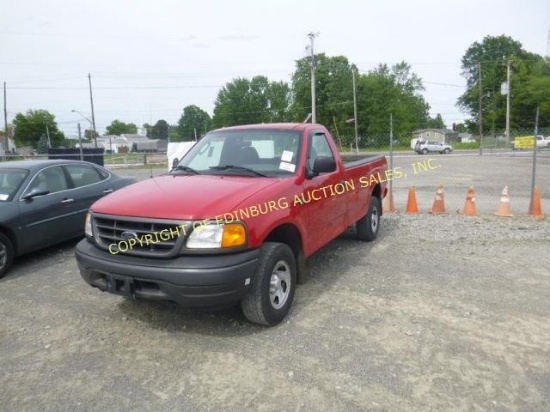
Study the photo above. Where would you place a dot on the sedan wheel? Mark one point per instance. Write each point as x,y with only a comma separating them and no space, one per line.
6,254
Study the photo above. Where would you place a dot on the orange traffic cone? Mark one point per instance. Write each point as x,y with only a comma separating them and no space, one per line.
389,206
412,206
470,203
535,208
438,207
504,205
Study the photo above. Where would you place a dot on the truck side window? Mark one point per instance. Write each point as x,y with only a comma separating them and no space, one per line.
318,147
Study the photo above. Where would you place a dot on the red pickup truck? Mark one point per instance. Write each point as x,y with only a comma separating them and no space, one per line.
234,221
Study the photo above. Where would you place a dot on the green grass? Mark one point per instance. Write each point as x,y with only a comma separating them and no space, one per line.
463,146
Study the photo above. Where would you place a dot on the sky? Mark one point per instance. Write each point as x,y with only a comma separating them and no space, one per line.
150,59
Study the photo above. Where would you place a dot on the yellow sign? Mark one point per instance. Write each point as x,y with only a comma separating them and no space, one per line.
524,142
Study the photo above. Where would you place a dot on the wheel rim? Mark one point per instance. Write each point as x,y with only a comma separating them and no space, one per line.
279,288
374,220
3,255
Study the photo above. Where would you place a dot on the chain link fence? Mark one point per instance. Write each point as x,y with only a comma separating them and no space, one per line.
497,163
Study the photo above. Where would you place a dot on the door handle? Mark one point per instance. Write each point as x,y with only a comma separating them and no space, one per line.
67,200
107,190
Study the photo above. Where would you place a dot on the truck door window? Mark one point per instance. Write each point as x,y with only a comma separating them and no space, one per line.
318,147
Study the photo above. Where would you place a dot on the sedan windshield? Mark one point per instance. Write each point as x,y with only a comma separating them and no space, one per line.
260,152
10,181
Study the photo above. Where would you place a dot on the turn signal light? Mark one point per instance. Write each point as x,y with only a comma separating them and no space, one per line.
234,235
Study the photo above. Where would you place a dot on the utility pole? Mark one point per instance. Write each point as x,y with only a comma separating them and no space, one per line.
313,114
48,136
391,163
80,142
92,103
508,76
534,171
480,112
355,111
6,136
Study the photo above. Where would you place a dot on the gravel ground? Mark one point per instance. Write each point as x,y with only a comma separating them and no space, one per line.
439,313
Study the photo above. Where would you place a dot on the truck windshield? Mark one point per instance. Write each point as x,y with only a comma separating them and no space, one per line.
260,152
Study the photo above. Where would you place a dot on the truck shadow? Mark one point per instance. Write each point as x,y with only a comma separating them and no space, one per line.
326,267
171,317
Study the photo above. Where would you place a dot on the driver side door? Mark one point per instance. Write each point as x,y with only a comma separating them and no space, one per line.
44,220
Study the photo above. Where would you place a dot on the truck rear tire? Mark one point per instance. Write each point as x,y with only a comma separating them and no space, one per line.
271,290
367,227
424,151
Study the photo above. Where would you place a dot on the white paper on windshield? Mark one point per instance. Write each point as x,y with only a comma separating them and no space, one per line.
289,167
4,197
286,156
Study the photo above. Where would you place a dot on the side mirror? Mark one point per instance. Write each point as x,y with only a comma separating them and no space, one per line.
34,193
324,164
175,162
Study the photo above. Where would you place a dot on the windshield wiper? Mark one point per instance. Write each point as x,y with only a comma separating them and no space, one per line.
186,169
226,167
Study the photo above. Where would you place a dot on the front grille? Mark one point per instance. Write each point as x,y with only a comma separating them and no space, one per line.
139,236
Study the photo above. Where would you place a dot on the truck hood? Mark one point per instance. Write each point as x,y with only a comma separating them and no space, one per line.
182,197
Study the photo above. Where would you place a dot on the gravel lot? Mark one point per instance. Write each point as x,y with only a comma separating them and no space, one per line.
440,313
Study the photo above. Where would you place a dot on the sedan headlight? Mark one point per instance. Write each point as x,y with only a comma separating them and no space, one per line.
213,236
88,231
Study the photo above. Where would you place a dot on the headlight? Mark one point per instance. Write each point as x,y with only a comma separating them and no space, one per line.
213,236
88,225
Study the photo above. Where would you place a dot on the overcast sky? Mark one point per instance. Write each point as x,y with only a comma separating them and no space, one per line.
150,59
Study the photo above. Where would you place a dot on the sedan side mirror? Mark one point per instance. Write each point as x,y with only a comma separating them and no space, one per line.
34,193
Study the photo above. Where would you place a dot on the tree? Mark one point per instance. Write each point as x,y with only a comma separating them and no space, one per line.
31,126
257,100
536,93
160,130
393,91
148,130
89,134
492,56
117,128
382,92
460,128
333,90
436,122
193,122
42,145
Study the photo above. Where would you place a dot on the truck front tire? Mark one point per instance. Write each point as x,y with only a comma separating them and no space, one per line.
271,290
367,227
